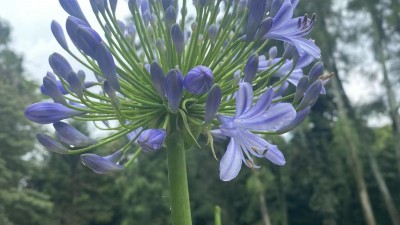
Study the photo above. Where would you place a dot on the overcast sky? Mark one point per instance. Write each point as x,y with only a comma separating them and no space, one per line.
31,36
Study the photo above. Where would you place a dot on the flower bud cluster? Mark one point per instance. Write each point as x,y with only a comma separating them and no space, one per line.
159,73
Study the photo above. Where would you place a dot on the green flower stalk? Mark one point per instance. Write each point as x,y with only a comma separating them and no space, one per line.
166,79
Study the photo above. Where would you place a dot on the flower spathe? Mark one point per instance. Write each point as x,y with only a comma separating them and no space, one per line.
158,76
261,116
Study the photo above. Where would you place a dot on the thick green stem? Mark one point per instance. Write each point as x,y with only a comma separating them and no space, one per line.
178,184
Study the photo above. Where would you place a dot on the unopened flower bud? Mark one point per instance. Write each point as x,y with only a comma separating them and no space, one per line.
213,33
173,89
212,103
198,80
257,9
194,26
58,33
60,65
50,144
106,63
251,68
83,37
273,52
75,84
310,95
265,26
170,16
52,90
103,165
113,5
158,78
177,38
70,136
72,8
151,140
316,71
301,88
46,112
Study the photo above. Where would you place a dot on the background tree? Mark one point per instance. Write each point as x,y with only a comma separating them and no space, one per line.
17,140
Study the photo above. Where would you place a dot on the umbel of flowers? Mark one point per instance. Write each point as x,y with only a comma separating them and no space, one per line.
166,77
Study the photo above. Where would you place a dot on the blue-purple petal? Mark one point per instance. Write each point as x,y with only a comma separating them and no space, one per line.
58,33
100,164
231,162
71,136
271,120
212,103
72,8
50,144
174,88
275,155
46,112
198,80
244,98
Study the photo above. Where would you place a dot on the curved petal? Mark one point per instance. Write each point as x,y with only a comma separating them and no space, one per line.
284,14
231,162
244,98
275,155
262,104
271,120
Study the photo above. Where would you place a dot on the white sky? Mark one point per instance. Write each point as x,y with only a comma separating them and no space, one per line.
31,36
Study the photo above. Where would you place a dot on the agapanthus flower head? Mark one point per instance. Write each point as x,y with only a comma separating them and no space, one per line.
158,76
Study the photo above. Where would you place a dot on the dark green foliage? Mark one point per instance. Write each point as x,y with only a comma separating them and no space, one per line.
16,140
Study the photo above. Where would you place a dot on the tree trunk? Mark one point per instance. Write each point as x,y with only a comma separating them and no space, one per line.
379,39
394,214
264,209
351,140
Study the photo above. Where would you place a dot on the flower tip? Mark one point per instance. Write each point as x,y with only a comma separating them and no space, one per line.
50,144
100,165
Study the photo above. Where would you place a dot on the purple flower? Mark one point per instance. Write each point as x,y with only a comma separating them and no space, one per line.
103,165
75,84
53,90
46,112
199,80
158,78
50,144
177,38
212,103
261,116
300,117
60,65
292,30
83,36
151,140
58,33
257,10
311,95
70,136
287,66
113,5
72,8
106,63
251,68
170,16
173,89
